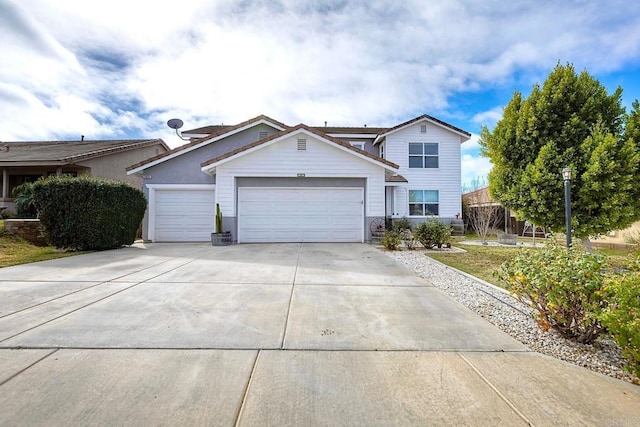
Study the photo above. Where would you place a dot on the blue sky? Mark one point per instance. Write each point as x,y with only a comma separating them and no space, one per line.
121,69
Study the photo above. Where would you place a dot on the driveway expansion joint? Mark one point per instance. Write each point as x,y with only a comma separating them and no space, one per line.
293,286
6,380
247,387
495,389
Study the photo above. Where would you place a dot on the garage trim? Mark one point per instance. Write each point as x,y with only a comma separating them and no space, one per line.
152,201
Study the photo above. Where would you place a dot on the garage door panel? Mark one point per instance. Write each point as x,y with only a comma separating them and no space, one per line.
184,215
344,222
300,214
192,222
169,235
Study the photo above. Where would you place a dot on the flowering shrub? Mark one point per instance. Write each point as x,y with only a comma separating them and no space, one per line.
566,288
622,316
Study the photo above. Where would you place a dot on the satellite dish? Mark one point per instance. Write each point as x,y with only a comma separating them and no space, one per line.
175,124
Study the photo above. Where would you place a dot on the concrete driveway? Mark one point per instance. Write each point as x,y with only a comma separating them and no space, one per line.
286,334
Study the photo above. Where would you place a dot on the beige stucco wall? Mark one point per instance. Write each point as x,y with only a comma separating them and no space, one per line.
620,236
114,166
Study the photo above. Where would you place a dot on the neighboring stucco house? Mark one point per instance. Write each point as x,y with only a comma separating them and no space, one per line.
27,161
280,183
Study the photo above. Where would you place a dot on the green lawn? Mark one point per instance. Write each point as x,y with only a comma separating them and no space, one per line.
479,261
14,250
483,261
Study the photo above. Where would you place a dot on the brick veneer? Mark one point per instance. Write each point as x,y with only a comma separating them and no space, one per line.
29,229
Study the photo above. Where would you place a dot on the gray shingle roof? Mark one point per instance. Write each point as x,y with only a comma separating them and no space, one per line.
66,152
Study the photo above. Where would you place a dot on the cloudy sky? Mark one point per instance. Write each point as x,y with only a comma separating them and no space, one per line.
122,68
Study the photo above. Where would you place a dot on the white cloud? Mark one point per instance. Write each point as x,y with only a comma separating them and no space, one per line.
474,167
472,146
488,118
117,67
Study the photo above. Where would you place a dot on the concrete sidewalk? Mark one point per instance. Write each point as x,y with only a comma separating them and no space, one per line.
288,334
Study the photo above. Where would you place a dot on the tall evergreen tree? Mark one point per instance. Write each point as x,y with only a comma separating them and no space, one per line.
571,121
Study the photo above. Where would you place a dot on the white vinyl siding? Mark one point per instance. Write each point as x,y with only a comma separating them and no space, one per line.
300,215
445,179
323,160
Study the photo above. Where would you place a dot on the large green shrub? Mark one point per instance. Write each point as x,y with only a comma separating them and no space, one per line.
87,213
432,233
622,316
566,288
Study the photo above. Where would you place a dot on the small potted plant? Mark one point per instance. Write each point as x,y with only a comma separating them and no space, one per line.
220,238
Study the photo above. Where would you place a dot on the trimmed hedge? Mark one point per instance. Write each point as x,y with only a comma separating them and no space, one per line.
88,213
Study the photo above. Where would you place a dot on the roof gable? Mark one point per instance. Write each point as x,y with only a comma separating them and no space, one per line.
425,117
201,142
299,129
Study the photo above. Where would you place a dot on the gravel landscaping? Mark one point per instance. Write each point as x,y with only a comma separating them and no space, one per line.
514,317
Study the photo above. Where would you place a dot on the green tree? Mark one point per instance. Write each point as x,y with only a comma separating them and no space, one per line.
23,198
571,121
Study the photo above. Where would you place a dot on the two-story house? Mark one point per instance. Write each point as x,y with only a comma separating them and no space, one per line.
280,183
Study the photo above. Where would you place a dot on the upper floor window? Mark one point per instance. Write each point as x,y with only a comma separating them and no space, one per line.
357,144
424,202
423,155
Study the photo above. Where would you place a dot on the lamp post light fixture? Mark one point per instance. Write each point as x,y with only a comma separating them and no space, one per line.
566,174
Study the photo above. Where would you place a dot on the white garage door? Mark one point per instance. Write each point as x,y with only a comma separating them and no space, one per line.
184,215
300,215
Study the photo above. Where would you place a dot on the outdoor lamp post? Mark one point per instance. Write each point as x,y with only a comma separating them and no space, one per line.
566,174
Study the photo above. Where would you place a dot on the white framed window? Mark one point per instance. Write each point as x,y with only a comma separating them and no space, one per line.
424,202
357,144
382,150
423,155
